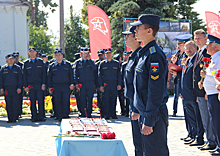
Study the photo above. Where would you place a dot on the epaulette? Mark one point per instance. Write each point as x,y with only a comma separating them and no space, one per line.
102,61
152,50
4,65
115,60
124,63
51,63
26,60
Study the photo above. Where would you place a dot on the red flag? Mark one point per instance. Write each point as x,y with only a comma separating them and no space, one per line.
99,30
213,23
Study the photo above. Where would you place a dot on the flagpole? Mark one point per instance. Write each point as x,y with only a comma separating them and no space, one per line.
62,26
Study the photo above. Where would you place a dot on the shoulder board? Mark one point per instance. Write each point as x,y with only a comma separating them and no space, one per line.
124,63
4,65
97,62
102,61
77,60
51,63
26,60
152,50
115,60
40,59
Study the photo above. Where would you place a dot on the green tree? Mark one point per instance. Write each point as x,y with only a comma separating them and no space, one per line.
40,16
74,35
38,38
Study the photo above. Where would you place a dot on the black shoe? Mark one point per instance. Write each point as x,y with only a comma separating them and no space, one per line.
187,139
213,151
122,114
13,121
107,118
216,153
42,120
34,120
56,118
189,142
174,115
197,143
52,116
114,117
9,121
208,147
184,138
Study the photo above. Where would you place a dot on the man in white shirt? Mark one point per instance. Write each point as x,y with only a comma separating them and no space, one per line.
209,84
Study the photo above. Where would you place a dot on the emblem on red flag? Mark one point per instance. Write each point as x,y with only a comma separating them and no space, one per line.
99,24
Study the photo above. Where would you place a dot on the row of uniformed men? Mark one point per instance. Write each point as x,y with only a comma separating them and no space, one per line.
197,108
55,77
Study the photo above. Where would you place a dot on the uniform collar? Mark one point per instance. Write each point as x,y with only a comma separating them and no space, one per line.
150,44
134,53
63,62
215,57
7,66
35,59
108,61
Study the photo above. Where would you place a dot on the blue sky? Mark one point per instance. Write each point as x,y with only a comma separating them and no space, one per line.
53,21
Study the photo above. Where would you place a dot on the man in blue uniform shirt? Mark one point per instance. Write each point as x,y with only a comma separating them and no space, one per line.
60,78
84,74
109,73
20,64
34,79
11,84
131,41
151,88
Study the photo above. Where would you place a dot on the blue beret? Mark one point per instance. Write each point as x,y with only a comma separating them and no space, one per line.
147,19
10,56
101,51
130,31
16,53
212,39
32,48
108,50
44,55
117,57
59,48
183,38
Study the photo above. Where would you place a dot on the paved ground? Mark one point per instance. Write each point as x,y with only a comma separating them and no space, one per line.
27,138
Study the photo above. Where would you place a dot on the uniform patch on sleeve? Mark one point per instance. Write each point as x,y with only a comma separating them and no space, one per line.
152,50
154,77
154,67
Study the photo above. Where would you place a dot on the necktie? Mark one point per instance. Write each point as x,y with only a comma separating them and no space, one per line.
187,62
197,55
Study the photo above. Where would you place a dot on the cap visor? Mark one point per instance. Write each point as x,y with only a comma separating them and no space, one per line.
136,23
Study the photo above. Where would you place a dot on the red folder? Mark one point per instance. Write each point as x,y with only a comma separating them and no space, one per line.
174,67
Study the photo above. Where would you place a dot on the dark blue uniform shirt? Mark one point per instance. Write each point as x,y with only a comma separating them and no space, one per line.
11,77
109,71
84,70
150,83
60,74
34,73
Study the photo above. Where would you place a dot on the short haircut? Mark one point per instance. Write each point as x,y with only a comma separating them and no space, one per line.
153,27
190,42
200,31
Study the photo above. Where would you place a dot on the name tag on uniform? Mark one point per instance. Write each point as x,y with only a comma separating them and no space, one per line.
15,72
80,67
88,65
5,72
39,66
29,67
54,69
65,68
115,68
104,68
139,70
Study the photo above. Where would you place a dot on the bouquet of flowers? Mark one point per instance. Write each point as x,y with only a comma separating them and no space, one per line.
204,66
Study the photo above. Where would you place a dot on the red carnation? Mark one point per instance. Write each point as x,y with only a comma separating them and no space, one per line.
108,135
104,136
218,71
6,92
80,85
113,135
206,65
205,59
217,75
51,89
29,86
105,84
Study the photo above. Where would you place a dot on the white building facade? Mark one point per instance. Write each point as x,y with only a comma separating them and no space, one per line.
13,28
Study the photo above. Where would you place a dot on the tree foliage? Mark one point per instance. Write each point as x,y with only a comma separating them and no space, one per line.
74,35
38,38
